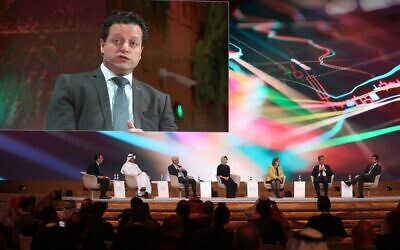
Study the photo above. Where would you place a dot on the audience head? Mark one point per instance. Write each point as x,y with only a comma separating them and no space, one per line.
324,203
146,208
47,215
307,239
26,204
221,215
138,214
247,237
183,208
263,207
98,209
196,206
173,226
275,161
391,222
135,201
362,234
321,159
208,208
86,205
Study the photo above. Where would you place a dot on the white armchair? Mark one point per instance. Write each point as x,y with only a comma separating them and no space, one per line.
131,182
371,185
174,181
269,187
90,183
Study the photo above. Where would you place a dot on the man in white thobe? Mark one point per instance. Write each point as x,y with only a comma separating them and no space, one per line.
143,180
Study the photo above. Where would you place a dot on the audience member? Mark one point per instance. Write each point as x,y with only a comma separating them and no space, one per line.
307,239
26,223
50,234
172,234
123,218
135,234
363,236
270,229
86,206
247,237
390,232
217,237
329,225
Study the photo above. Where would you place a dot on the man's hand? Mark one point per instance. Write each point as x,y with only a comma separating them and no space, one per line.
131,127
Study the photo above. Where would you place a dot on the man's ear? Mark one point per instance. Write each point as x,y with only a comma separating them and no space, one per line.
102,46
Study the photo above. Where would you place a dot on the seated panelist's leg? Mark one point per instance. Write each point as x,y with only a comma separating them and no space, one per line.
325,181
317,180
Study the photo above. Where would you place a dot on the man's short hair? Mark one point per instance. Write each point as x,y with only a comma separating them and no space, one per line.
97,156
263,207
221,215
320,156
324,203
376,157
124,17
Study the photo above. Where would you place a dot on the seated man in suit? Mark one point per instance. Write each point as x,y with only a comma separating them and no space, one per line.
373,169
322,173
181,173
110,98
94,169
328,224
143,180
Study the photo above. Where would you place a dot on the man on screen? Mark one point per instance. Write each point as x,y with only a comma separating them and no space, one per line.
110,98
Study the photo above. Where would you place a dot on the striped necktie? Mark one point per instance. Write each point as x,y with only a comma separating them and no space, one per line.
121,105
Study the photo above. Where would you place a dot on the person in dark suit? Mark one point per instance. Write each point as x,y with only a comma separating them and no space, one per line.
328,224
181,173
110,98
94,169
372,170
224,172
322,173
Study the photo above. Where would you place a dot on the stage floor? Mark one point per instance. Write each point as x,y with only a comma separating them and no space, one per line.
243,200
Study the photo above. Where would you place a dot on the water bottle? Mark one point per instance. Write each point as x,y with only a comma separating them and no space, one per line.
299,177
162,177
117,177
251,178
349,177
198,178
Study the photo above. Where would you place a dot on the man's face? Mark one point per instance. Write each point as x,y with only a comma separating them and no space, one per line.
122,50
100,159
321,160
224,160
175,160
373,160
132,159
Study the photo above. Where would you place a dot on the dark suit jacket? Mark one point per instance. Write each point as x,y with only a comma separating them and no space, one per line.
375,171
328,225
328,171
94,169
223,170
81,102
173,171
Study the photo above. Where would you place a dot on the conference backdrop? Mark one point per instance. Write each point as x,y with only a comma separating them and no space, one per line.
321,82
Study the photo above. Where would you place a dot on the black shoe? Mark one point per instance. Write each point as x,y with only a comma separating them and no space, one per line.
360,196
142,189
145,195
348,183
104,197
